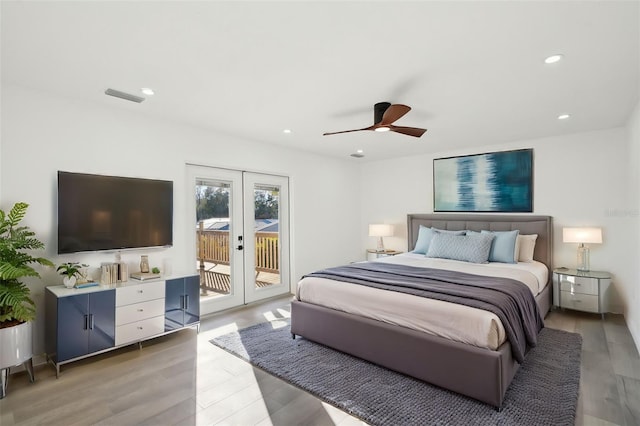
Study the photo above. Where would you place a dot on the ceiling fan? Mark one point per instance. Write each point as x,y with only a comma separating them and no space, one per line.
384,115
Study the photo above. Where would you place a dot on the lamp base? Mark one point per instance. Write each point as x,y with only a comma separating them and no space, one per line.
380,247
583,258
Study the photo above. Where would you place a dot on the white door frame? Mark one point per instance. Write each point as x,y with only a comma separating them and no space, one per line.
242,261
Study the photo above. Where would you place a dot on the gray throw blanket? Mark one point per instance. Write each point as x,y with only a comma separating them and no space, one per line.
509,299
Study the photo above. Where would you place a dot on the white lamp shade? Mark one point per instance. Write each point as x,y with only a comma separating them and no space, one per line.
380,230
582,235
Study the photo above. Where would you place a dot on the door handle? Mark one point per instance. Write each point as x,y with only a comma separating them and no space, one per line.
181,302
240,247
86,322
186,301
90,321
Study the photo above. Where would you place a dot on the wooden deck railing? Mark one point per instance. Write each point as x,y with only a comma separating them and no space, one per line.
213,247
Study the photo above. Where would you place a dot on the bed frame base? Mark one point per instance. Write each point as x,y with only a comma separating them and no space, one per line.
465,369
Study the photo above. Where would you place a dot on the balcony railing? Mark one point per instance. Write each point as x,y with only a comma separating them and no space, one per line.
213,247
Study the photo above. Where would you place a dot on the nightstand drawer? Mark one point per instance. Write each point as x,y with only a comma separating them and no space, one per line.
579,302
581,285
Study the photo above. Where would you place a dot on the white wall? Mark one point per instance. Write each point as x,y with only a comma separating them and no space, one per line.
42,134
632,214
579,180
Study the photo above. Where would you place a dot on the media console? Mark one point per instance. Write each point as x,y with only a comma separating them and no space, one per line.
84,322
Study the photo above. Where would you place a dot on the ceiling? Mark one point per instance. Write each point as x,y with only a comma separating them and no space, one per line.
473,72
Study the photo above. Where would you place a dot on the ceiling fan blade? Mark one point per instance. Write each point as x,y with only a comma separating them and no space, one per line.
393,113
347,131
411,131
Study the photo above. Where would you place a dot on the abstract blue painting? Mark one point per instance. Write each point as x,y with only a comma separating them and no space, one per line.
491,182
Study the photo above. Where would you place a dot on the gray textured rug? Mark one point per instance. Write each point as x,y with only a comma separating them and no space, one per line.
544,391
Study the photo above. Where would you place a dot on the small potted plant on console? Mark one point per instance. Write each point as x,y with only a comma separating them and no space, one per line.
71,272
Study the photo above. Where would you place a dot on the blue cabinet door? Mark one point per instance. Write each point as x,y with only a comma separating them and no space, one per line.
192,305
102,320
174,304
73,326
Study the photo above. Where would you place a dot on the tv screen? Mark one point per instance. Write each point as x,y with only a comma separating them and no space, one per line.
98,212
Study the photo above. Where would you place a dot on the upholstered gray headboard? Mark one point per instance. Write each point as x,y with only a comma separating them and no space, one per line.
540,225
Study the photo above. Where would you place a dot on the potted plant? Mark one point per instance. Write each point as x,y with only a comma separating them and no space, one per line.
17,309
71,272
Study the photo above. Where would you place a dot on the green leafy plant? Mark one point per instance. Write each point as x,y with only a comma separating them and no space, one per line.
16,305
71,269
155,270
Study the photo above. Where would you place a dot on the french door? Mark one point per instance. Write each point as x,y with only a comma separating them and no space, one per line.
241,235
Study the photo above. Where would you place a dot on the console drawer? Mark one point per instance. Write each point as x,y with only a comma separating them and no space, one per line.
139,330
139,293
139,311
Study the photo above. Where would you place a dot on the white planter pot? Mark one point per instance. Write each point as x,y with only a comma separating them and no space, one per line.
69,282
16,345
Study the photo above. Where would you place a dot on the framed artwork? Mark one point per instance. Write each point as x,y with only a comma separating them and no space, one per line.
491,182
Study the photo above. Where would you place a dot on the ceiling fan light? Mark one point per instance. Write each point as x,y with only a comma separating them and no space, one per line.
382,129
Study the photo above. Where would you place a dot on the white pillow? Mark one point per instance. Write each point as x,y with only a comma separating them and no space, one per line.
525,244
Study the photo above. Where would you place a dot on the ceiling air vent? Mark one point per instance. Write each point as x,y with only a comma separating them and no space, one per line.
123,95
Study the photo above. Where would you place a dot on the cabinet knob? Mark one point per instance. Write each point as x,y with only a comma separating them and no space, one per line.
139,328
140,310
140,291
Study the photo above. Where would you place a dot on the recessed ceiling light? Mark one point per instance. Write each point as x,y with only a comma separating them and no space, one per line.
563,116
553,59
382,129
147,91
287,131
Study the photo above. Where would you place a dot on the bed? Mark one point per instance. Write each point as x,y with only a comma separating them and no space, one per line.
477,372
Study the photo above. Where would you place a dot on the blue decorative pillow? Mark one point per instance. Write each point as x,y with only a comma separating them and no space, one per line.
503,248
468,248
426,234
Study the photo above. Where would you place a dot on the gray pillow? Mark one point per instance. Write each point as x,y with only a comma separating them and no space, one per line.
472,248
426,234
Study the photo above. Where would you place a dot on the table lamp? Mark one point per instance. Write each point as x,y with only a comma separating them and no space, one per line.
582,236
380,230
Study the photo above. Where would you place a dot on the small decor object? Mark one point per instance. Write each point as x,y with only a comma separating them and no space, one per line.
492,182
380,230
144,263
155,270
582,236
71,272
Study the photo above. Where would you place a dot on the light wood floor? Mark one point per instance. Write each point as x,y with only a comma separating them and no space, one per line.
183,379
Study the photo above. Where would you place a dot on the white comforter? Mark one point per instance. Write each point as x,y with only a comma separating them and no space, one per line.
449,320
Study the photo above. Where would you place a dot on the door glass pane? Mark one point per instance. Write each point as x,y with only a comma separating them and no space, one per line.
213,244
267,235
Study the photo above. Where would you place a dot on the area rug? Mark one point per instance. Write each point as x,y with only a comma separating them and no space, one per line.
543,392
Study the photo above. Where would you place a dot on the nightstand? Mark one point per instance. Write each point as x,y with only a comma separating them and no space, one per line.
374,254
586,291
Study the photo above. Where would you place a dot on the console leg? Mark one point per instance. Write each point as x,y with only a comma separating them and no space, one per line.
4,377
293,336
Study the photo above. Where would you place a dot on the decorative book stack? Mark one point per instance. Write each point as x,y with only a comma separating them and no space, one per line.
112,273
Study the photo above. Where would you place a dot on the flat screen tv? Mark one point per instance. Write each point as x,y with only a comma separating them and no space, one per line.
98,212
